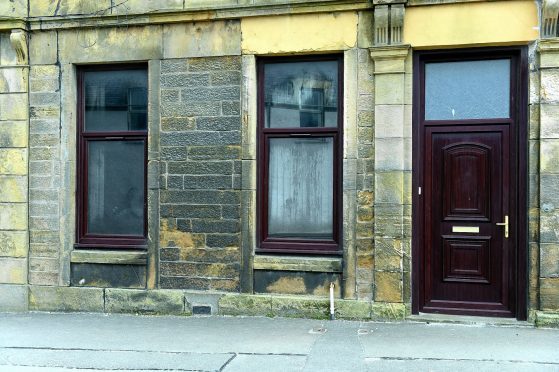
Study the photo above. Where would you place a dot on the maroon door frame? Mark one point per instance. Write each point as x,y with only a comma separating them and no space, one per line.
518,163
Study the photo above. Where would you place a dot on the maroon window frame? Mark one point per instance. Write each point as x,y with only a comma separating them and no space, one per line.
269,244
84,238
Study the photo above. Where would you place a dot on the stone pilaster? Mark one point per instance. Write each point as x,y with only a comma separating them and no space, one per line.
549,174
392,195
14,240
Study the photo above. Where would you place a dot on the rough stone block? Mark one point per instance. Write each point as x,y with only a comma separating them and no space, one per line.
388,287
49,278
549,293
14,106
202,108
103,44
545,319
13,243
159,301
549,153
300,307
549,87
389,121
43,48
202,39
13,80
13,270
248,305
13,216
389,187
219,123
389,89
13,8
174,66
146,6
204,94
549,260
202,270
549,225
549,114
7,53
70,299
13,298
44,99
388,311
43,8
44,72
389,154
214,64
351,309
13,189
13,134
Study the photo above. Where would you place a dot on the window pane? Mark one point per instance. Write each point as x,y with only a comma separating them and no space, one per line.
300,195
301,94
115,194
467,90
115,100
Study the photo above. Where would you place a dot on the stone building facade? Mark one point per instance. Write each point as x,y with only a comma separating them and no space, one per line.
206,242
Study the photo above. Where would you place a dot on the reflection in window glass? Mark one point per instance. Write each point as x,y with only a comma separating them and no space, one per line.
467,90
115,194
115,100
301,188
301,94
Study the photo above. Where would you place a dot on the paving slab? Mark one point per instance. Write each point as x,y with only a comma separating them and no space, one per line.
55,342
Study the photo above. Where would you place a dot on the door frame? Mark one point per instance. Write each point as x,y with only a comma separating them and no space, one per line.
520,161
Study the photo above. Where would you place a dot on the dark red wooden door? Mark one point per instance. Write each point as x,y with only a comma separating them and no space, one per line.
467,175
467,192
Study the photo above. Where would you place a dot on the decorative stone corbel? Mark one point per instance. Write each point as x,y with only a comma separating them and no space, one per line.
550,13
18,39
389,21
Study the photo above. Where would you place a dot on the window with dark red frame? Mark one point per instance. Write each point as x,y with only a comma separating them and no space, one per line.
112,157
300,140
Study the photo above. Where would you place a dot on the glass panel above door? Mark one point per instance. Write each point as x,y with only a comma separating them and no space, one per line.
467,90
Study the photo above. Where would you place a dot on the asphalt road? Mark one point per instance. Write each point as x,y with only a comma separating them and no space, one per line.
98,342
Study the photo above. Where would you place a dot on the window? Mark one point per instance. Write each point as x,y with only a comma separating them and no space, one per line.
300,120
112,148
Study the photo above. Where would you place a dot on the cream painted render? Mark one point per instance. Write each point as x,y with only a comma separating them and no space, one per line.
299,33
469,24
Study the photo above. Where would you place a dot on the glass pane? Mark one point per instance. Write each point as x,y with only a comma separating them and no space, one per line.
115,100
467,90
301,187
115,190
301,94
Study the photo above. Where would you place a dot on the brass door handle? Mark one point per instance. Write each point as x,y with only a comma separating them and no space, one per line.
506,225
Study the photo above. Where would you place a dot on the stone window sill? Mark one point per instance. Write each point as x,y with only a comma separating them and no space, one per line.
109,257
297,263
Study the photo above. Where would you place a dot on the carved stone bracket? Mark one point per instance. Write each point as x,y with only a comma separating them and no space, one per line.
550,13
18,39
390,59
389,21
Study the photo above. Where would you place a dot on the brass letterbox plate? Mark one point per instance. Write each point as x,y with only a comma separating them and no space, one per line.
465,229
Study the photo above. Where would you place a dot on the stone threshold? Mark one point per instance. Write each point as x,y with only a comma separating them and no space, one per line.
469,320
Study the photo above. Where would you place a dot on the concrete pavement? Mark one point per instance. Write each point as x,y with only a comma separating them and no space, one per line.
85,342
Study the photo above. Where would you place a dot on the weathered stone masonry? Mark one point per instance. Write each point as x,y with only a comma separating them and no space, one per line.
200,173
